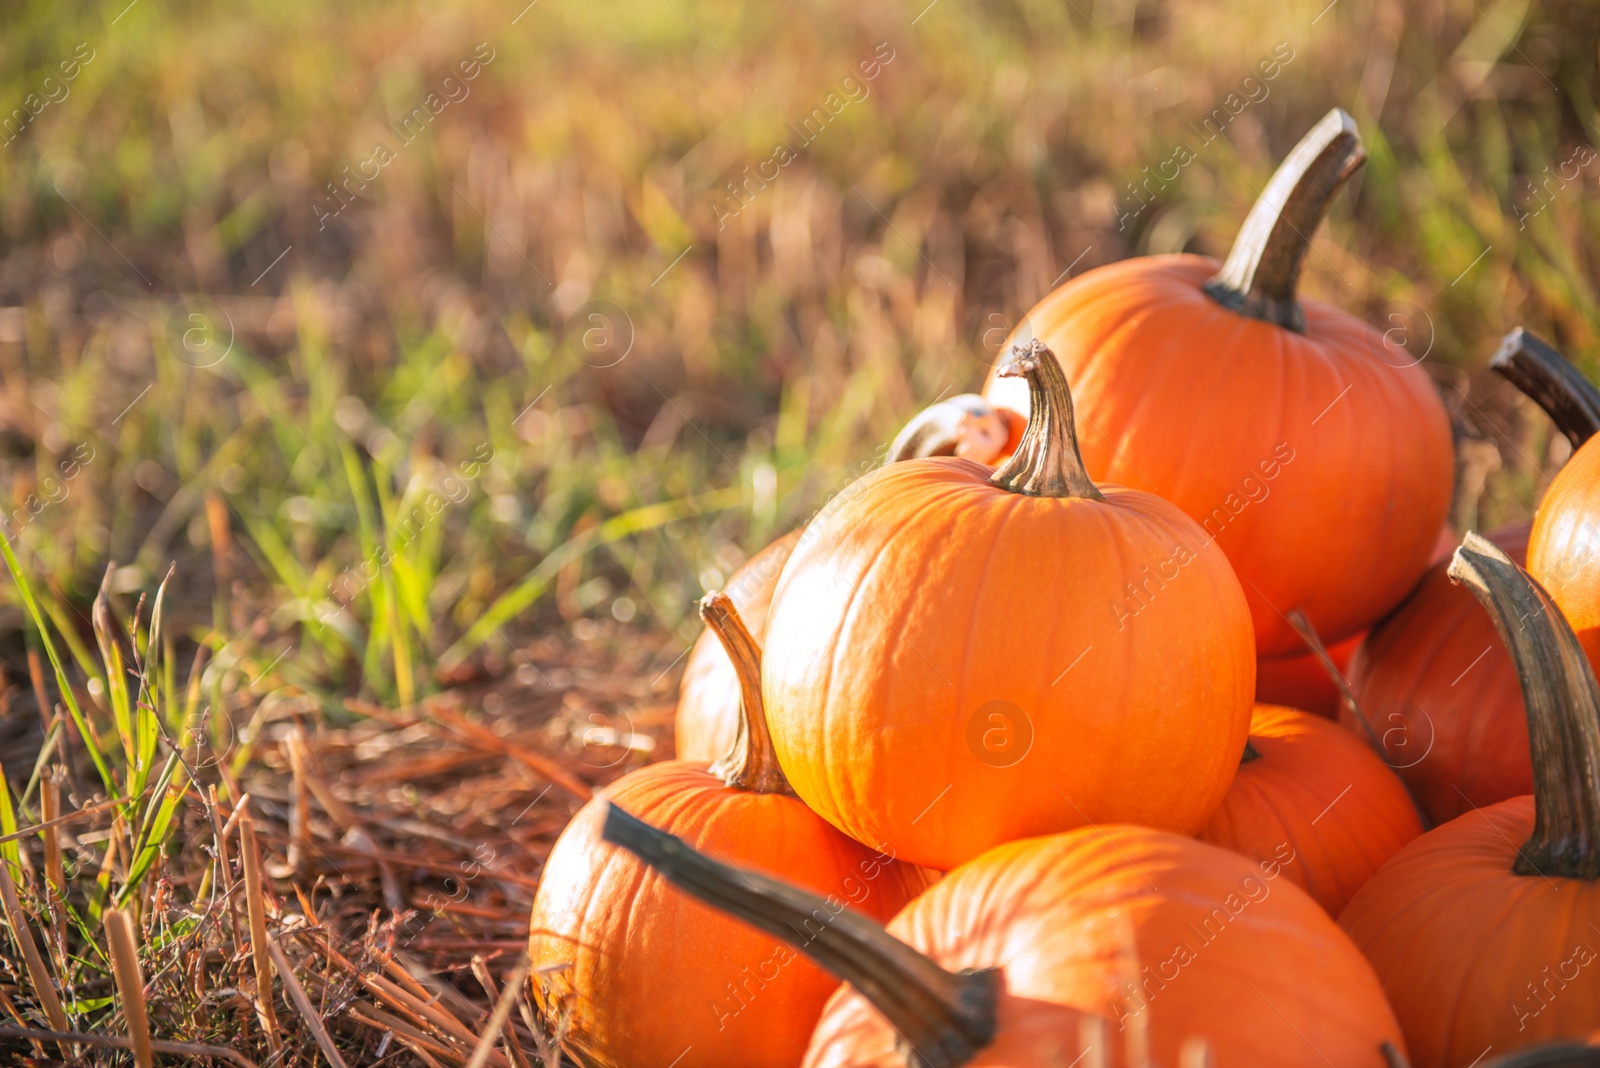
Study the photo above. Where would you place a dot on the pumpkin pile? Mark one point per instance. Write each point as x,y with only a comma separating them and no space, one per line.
1118,719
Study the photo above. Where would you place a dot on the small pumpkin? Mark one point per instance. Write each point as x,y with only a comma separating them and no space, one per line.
1436,691
1301,438
1311,796
1303,681
1481,929
1564,547
708,696
645,977
960,657
1105,945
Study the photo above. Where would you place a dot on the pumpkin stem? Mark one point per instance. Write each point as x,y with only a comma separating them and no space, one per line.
1262,272
943,1018
1570,399
1250,753
1047,462
1308,634
751,763
1563,702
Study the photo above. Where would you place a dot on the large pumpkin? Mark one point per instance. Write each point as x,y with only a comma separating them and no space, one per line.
1312,797
1483,931
646,978
708,696
1301,438
1564,548
1111,945
1439,695
958,658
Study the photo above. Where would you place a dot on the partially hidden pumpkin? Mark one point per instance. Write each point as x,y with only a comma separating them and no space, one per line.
1312,797
637,975
1304,441
1112,945
1303,681
1483,931
959,657
1437,694
1564,547
708,696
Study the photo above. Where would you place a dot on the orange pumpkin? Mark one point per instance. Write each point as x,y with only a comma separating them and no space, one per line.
645,977
1301,438
959,657
1311,796
1482,929
1112,945
1303,681
1440,696
708,697
1564,548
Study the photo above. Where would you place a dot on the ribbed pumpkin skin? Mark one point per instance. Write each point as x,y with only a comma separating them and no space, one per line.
1302,682
927,593
708,696
1074,919
651,966
1564,548
1435,678
1456,938
1186,399
1316,794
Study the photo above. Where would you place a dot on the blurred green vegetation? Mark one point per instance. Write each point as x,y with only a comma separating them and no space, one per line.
283,347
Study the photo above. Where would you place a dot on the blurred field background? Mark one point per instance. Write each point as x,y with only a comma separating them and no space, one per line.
221,351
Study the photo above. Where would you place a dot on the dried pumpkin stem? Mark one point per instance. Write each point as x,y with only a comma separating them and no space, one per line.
1571,400
1262,271
1047,462
751,763
943,1018
942,429
1563,703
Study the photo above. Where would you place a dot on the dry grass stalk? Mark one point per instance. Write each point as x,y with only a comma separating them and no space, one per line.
1092,1038
414,1039
38,972
256,904
538,762
181,1049
302,1004
498,1018
11,1010
50,811
130,984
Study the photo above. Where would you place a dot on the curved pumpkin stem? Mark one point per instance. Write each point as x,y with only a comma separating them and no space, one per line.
952,427
1262,271
943,1018
751,763
1563,702
1568,398
1047,462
